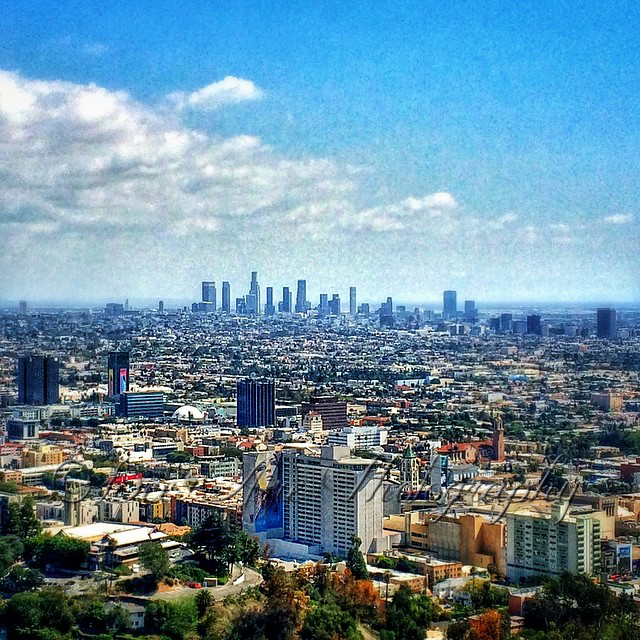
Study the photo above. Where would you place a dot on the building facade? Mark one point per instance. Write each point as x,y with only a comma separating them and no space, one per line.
38,380
256,403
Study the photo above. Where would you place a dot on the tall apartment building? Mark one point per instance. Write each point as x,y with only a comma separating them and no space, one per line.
318,503
541,543
38,380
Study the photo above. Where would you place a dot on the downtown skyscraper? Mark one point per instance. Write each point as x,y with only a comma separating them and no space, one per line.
450,304
301,297
226,297
252,300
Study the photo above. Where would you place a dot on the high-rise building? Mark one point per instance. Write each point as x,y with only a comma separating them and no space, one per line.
253,299
269,308
332,410
301,297
328,499
470,311
353,307
607,323
313,504
256,403
38,380
161,306
285,305
241,307
22,307
334,305
450,304
364,310
251,304
506,320
226,297
324,304
534,325
386,313
117,373
209,293
541,544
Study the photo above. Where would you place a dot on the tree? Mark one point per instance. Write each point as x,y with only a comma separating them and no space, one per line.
355,560
328,622
246,548
21,520
20,579
41,614
11,548
408,616
173,619
117,619
155,559
215,541
491,626
204,600
59,550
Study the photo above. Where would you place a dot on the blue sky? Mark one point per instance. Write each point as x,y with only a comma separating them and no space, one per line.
359,116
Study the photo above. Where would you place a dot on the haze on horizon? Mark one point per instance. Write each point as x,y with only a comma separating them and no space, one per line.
491,149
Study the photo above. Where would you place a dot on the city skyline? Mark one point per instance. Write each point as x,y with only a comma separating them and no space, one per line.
447,151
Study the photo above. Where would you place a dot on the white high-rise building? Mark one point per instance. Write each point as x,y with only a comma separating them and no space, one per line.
320,503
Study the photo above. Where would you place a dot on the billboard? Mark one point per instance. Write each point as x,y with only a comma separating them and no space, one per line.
110,387
122,387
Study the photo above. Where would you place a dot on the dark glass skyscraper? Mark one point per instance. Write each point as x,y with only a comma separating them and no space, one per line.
226,297
450,304
117,373
256,403
534,325
301,297
269,309
285,305
506,320
470,311
607,323
38,380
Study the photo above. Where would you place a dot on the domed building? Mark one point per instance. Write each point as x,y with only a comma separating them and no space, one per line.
188,413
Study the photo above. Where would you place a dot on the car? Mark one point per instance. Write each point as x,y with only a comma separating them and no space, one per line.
194,585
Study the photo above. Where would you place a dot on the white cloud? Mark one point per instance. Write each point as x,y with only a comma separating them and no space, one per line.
619,218
229,90
83,167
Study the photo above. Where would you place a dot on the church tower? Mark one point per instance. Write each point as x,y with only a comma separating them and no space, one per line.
498,439
410,470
